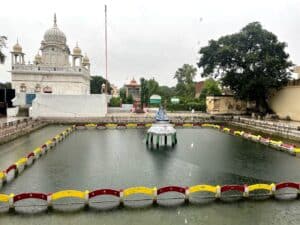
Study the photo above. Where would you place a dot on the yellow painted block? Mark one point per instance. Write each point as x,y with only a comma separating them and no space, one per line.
21,161
91,125
207,125
226,129
111,125
2,175
257,137
37,151
68,194
211,125
148,124
131,125
272,142
254,187
4,198
187,125
237,132
203,188
297,150
139,190
49,142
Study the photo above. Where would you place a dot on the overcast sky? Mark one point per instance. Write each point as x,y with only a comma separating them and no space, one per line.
149,38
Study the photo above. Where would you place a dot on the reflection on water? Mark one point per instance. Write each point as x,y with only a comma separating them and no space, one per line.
90,159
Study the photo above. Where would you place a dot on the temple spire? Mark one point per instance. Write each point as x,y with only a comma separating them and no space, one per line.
55,20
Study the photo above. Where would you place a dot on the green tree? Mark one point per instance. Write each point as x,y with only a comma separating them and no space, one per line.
185,84
210,88
144,92
6,85
123,94
96,85
115,102
251,63
166,93
152,86
129,99
2,45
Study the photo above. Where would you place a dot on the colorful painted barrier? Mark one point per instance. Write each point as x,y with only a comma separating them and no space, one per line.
16,168
186,193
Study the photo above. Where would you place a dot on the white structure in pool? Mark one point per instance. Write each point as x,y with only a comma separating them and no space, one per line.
51,71
161,130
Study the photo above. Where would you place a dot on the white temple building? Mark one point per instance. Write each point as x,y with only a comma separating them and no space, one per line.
51,70
52,86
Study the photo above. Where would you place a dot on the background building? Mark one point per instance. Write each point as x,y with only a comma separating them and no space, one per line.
133,89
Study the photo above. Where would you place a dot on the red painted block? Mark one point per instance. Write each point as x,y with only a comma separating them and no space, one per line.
171,189
100,192
225,188
287,185
22,196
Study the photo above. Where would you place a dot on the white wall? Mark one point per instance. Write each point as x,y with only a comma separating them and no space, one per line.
285,102
61,84
71,106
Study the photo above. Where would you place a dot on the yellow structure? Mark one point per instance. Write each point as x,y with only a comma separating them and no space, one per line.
225,104
285,102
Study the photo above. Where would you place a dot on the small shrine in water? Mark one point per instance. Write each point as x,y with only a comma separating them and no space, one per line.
161,132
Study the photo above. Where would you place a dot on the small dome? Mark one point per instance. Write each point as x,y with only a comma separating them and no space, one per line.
17,48
76,50
38,58
54,34
133,82
85,60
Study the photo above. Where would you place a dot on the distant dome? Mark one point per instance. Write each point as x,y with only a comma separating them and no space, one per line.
76,50
85,60
133,82
17,48
54,34
38,58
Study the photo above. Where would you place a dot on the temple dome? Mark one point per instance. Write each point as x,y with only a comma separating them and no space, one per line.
76,50
85,59
17,48
38,58
54,34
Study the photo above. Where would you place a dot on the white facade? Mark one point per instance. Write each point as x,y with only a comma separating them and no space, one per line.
51,72
68,106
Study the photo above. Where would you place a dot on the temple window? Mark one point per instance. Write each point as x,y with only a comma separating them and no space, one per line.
37,88
22,87
47,89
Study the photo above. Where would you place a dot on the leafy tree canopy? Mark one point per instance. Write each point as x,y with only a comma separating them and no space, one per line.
210,88
96,85
251,63
6,85
185,84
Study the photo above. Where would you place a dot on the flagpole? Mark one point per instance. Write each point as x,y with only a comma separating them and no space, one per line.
106,88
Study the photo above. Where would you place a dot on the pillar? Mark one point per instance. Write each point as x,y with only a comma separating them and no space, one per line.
147,138
166,140
157,141
151,139
173,140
